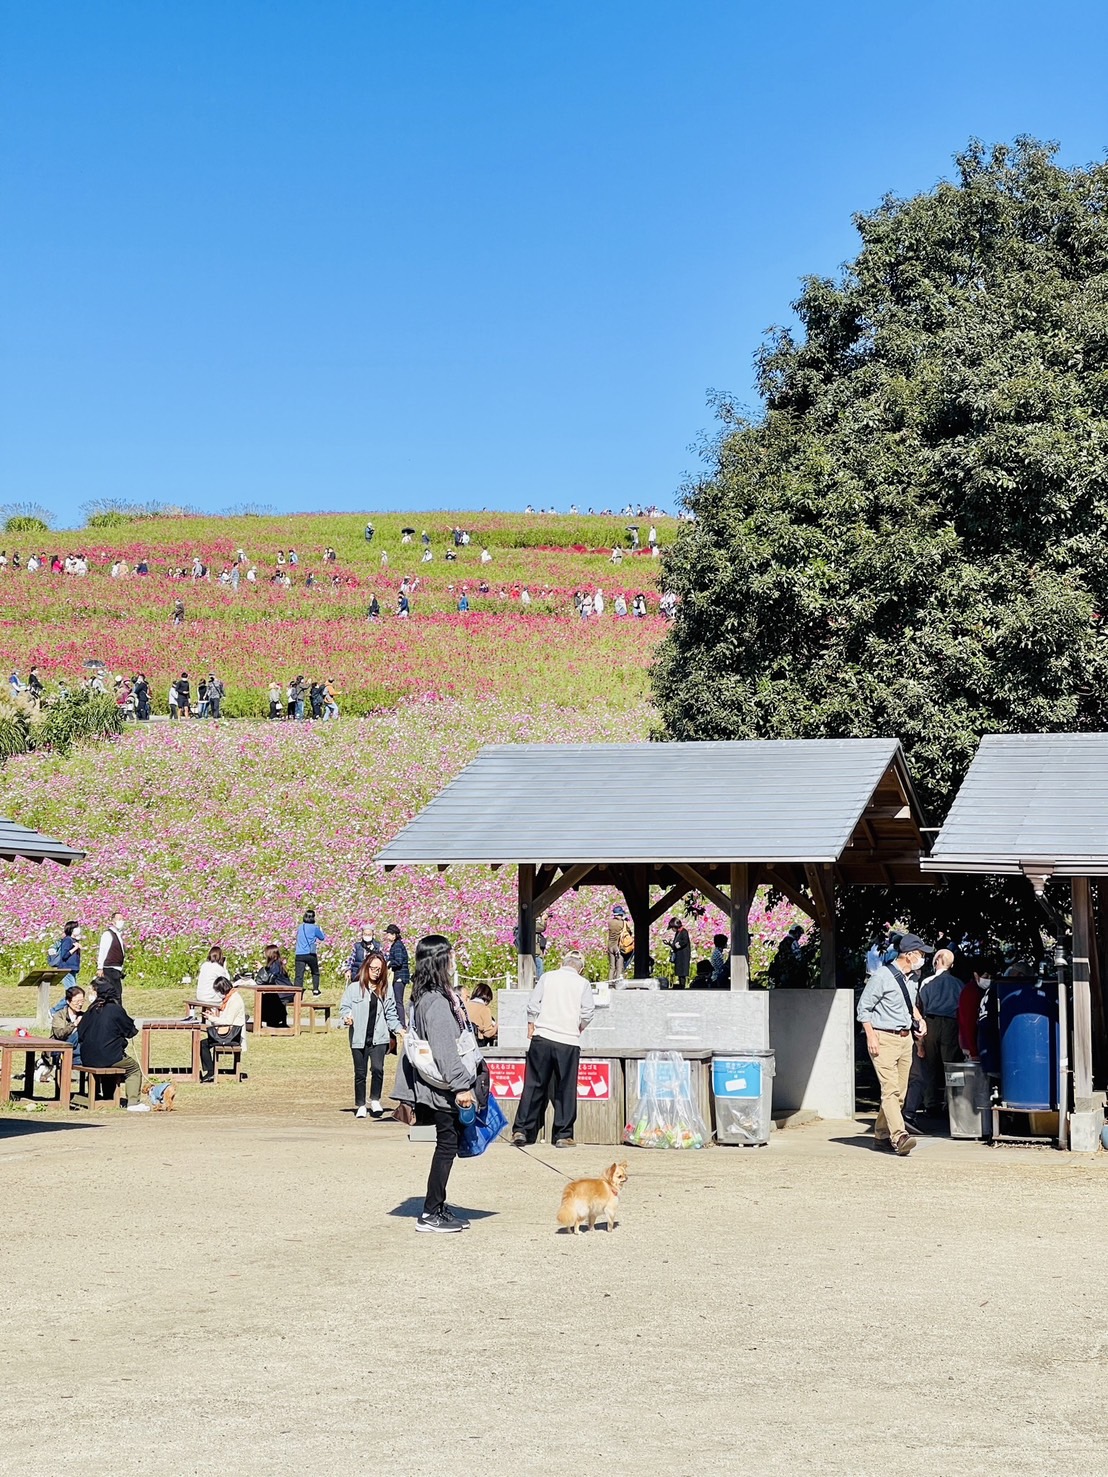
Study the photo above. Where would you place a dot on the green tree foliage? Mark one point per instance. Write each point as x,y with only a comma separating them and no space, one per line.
910,539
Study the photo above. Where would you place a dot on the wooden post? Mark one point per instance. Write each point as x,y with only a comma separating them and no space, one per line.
740,926
828,977
525,944
637,894
1082,997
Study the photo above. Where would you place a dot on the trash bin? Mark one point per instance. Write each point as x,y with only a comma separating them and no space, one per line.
967,1097
742,1089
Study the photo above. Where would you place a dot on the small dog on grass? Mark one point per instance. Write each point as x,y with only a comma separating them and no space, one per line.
163,1097
591,1200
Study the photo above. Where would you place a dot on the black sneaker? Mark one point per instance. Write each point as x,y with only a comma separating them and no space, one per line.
913,1127
519,1141
459,1220
438,1223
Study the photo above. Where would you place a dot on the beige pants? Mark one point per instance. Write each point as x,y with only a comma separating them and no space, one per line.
892,1063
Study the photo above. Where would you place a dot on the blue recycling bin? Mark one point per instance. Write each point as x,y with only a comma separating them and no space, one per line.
1028,1046
742,1095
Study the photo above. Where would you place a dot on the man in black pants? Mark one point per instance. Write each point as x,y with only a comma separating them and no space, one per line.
560,1007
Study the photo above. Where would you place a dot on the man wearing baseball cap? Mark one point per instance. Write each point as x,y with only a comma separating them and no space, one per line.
890,1015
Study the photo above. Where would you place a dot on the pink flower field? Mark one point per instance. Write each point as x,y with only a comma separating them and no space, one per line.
529,652
224,832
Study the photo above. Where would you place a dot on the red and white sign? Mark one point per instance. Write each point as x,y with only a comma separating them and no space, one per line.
594,1081
506,1079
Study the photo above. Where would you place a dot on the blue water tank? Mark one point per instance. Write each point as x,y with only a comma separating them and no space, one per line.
1028,1045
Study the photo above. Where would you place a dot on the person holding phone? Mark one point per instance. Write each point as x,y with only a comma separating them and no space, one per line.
368,1011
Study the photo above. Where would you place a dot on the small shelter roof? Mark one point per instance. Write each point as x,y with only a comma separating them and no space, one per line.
21,841
1030,803
847,802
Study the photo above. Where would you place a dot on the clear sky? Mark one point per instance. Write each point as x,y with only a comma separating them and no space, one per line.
454,253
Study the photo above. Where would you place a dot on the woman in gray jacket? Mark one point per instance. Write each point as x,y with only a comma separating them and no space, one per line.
439,1017
369,1010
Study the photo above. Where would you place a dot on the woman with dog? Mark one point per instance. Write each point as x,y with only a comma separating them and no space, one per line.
438,1017
368,1010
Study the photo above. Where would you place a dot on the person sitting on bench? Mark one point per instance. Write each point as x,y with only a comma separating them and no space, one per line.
225,1027
103,1033
273,972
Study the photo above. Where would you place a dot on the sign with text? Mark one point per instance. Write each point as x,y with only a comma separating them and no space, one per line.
506,1078
594,1081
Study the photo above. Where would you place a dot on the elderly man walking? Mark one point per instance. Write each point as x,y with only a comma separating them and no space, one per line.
888,1012
559,1009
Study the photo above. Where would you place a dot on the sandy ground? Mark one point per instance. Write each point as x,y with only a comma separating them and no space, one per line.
247,1295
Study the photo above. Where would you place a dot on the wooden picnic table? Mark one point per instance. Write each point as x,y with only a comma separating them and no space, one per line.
191,1073
43,980
11,1046
260,992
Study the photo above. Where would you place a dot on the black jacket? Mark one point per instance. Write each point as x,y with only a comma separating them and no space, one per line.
681,947
104,1032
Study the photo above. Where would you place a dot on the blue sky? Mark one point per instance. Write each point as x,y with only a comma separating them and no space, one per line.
419,254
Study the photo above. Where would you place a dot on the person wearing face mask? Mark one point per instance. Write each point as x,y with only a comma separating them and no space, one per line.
969,1005
891,1019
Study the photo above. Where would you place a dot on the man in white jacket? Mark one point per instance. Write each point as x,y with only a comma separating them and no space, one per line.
560,1007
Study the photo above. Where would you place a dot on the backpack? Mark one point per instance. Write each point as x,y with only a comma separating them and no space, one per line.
54,957
626,941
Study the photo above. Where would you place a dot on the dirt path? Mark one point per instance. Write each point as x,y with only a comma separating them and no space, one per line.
246,1295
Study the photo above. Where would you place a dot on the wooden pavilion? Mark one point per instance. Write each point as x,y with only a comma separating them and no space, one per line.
657,821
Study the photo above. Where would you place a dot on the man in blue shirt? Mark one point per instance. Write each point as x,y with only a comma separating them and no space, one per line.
888,1012
308,938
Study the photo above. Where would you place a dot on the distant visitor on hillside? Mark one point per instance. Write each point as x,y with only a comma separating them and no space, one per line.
178,612
374,611
275,699
369,533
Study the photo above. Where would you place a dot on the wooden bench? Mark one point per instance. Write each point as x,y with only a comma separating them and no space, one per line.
92,1076
235,1053
310,1008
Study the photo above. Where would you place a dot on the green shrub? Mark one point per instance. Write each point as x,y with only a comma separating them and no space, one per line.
26,523
113,519
76,717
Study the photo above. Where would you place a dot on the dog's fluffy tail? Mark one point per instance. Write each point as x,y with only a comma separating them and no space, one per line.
567,1211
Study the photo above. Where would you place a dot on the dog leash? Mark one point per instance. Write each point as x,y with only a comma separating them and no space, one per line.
523,1150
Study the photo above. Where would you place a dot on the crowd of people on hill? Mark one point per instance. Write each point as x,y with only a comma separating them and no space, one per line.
304,698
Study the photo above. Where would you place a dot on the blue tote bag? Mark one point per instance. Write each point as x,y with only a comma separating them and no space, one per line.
488,1125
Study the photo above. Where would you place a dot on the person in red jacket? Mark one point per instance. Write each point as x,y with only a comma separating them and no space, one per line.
969,1005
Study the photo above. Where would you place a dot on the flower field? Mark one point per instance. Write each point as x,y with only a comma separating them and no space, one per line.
225,832
262,631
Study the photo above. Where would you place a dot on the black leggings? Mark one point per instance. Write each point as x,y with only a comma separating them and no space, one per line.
372,1057
446,1151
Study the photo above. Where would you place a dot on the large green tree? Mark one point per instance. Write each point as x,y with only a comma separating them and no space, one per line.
910,538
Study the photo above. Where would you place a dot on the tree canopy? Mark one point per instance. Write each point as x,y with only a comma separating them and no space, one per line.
909,539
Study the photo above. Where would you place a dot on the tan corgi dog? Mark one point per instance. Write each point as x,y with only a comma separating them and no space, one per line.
590,1200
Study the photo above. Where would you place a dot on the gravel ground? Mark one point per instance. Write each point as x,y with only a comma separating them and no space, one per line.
247,1295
